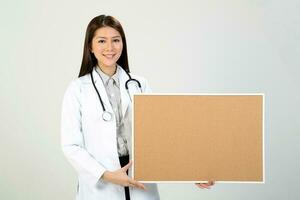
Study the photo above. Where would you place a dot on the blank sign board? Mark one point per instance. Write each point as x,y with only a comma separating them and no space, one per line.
180,137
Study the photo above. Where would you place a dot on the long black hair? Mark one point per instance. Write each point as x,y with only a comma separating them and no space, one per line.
89,60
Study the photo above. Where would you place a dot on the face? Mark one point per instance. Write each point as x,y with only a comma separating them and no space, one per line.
107,46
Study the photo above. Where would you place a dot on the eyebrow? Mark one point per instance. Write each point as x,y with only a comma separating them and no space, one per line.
106,37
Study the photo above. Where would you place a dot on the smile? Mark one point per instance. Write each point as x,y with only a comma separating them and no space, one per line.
109,56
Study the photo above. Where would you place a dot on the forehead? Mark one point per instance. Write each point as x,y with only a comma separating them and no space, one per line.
106,32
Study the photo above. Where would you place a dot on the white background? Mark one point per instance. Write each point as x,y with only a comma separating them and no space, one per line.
179,46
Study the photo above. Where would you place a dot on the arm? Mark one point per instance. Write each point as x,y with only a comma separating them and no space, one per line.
72,140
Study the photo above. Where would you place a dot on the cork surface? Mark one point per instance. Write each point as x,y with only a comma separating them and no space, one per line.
198,137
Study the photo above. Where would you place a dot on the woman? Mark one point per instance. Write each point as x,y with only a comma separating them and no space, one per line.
96,117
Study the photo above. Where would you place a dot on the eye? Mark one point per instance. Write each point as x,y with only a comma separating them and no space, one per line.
101,41
116,40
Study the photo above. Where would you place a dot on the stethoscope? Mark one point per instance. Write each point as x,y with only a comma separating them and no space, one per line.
107,116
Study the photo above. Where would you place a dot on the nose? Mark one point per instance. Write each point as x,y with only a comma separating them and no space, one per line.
109,45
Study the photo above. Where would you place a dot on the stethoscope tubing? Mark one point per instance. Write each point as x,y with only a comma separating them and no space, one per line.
107,116
100,99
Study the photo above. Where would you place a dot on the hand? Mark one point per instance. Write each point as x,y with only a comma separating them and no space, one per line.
120,177
205,185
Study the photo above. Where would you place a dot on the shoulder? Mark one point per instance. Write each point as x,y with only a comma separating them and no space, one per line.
75,85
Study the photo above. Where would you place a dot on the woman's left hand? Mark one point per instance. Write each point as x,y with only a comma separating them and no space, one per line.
205,185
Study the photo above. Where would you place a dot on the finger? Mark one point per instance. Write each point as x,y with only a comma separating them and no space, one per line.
126,167
132,183
211,183
200,186
142,186
137,184
206,185
203,185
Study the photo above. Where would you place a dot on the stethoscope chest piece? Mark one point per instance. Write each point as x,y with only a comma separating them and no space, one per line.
106,116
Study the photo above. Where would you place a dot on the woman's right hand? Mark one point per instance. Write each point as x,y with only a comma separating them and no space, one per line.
120,177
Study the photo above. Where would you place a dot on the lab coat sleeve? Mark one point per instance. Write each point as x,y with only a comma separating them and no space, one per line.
72,140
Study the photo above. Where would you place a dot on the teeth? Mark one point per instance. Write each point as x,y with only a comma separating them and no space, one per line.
109,56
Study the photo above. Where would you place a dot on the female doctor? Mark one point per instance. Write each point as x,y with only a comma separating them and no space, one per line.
96,117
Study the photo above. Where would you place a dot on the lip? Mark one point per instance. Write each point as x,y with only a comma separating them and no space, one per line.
109,56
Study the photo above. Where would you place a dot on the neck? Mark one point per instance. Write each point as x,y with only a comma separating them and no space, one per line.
108,70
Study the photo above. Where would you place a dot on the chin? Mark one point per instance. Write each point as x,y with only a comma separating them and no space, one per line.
110,64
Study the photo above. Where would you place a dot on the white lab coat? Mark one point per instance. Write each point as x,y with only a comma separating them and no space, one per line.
89,143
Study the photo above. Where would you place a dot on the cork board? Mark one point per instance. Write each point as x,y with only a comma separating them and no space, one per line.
180,137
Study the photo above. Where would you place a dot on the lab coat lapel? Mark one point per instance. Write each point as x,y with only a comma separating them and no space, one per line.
124,95
102,91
